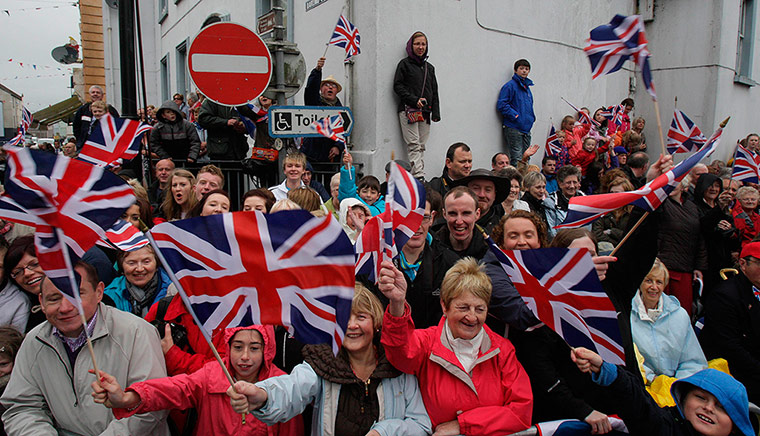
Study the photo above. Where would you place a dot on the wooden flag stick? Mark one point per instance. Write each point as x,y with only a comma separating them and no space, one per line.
75,289
190,310
659,128
630,232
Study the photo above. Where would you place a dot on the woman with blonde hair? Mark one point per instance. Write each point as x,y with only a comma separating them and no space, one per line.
179,199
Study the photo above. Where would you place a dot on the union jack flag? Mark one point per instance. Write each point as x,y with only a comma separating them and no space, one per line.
561,287
124,236
250,125
746,166
610,45
684,136
614,114
553,143
385,234
583,117
26,121
243,268
346,36
330,127
70,202
116,138
583,210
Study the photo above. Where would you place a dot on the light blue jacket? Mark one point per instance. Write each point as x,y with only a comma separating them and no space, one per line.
347,189
117,290
669,345
554,215
401,407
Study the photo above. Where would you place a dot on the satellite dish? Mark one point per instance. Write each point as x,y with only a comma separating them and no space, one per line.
66,54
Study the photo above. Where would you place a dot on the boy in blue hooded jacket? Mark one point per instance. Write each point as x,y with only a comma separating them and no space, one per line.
709,403
516,107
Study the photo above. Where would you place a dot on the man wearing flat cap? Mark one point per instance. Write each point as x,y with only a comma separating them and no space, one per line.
322,92
732,321
491,190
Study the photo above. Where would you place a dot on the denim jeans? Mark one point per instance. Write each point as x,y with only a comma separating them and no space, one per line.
517,143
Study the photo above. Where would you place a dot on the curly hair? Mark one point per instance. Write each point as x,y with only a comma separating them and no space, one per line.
498,230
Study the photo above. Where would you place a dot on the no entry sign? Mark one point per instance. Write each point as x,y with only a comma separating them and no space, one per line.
229,64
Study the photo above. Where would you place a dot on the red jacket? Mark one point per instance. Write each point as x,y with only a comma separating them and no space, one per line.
495,400
206,391
179,361
577,134
747,223
583,159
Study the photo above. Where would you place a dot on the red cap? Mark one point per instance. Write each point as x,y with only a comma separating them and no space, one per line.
751,249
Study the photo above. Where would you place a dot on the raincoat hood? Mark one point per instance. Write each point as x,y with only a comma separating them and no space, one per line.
267,333
168,105
703,182
410,48
731,394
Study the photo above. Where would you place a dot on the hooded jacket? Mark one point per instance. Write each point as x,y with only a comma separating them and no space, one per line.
117,290
176,139
668,344
409,80
347,189
320,380
345,205
516,104
206,391
643,416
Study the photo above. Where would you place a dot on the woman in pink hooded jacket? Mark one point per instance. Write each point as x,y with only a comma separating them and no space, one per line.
249,357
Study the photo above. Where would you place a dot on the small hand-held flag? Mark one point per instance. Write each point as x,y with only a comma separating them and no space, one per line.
610,45
553,143
26,121
583,117
746,166
330,127
384,235
346,36
684,136
561,287
117,138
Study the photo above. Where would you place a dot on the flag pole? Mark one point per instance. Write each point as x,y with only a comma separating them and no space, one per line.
75,289
659,128
630,232
190,310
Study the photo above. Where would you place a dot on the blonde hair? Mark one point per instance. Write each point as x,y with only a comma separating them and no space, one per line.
746,191
305,197
171,209
365,301
465,275
295,157
659,268
284,204
99,104
138,189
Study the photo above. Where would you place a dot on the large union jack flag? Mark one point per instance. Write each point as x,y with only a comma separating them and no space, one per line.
684,136
346,36
385,234
243,268
117,138
330,127
746,166
26,121
561,287
610,45
583,210
71,203
553,143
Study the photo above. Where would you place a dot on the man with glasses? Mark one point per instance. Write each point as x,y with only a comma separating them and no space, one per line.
732,321
569,182
322,93
179,100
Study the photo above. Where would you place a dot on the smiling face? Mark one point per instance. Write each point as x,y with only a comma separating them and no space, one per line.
6,365
164,169
181,189
360,332
465,315
139,266
705,413
61,313
293,171
207,182
369,195
486,192
538,191
247,354
589,144
418,239
569,186
461,214
255,203
216,204
711,193
520,234
28,274
651,289
96,94
514,190
749,201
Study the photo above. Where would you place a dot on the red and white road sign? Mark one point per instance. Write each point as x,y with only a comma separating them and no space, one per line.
229,64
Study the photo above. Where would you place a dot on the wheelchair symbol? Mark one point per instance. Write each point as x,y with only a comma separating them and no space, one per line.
284,122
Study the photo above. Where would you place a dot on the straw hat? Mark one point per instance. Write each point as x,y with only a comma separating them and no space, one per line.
331,79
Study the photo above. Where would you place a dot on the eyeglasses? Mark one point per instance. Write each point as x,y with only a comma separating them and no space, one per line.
31,266
330,84
178,98
426,218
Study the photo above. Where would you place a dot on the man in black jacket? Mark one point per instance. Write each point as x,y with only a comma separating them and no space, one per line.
83,115
320,92
732,322
226,133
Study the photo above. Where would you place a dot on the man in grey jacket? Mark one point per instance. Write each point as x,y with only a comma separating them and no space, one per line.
49,389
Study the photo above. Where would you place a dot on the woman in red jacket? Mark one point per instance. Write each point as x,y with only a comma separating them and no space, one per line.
250,351
470,379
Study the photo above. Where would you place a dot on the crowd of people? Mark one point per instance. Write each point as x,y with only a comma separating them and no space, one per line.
442,343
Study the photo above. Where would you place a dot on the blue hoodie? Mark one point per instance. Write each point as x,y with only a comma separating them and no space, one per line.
516,104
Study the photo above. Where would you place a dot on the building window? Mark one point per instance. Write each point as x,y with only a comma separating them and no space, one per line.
165,86
182,83
163,10
745,46
263,6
